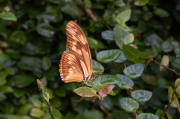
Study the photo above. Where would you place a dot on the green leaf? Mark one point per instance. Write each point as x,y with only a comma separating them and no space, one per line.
121,58
92,43
149,79
158,112
45,30
107,79
97,67
169,116
130,53
2,96
46,63
146,116
155,41
167,46
141,95
107,35
177,52
85,92
107,55
18,92
17,38
164,61
29,63
70,8
129,104
4,57
126,83
36,102
120,35
141,2
134,71
143,55
36,112
23,80
122,14
120,114
161,13
56,113
46,96
24,110
10,70
90,114
129,39
52,15
176,63
8,16
6,89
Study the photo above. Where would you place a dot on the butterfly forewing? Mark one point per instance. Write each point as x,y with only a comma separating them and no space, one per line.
76,62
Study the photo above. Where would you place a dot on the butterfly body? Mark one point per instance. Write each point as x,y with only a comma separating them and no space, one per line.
76,62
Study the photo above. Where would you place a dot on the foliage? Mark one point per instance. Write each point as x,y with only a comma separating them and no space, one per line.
127,38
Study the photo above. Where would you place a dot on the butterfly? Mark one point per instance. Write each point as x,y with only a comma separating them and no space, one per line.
76,62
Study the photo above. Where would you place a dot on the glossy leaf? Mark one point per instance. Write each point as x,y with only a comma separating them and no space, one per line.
134,71
155,41
92,43
29,63
161,12
141,2
36,112
85,92
17,37
129,104
164,61
45,30
121,58
70,8
147,116
97,67
130,53
107,55
46,63
177,52
126,83
56,114
169,116
8,16
107,35
141,95
23,80
143,55
167,46
129,39
120,34
108,79
122,14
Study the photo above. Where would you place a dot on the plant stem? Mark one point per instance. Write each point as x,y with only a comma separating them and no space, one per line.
50,111
164,112
173,70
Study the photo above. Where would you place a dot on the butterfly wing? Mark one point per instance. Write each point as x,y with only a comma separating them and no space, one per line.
77,42
76,62
71,67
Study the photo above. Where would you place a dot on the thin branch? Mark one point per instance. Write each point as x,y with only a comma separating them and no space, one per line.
148,60
50,111
172,98
102,108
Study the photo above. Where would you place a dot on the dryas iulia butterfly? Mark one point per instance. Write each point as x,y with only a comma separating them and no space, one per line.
76,62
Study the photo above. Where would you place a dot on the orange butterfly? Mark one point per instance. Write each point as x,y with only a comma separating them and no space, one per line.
76,62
